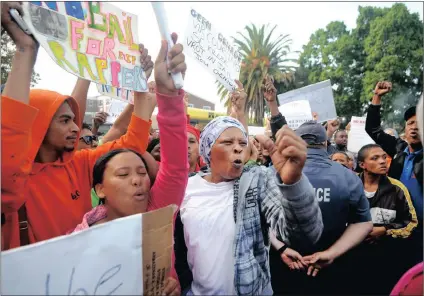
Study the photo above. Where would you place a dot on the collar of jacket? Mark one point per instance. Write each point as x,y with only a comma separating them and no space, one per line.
322,153
384,184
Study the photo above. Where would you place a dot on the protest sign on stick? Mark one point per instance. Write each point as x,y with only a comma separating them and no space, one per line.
92,40
320,97
296,113
358,137
212,50
128,256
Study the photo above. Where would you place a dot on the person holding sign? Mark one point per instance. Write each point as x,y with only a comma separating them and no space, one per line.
225,213
48,185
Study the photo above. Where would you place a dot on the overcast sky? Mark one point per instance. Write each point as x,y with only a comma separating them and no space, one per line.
299,20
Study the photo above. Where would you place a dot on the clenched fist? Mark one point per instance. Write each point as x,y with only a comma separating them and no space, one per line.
288,154
382,88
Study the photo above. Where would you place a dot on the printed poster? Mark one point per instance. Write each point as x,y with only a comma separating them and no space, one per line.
216,53
93,40
296,113
319,96
358,137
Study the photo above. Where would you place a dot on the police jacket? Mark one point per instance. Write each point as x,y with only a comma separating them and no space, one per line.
340,195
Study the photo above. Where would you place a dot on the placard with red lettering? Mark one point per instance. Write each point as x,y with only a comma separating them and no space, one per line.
212,50
93,40
358,137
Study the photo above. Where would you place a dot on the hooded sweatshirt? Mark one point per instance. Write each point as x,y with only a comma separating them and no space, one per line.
57,194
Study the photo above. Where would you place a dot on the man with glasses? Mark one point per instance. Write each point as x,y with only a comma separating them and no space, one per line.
87,140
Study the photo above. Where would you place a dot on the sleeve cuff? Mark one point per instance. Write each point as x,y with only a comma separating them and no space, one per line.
294,191
139,124
17,115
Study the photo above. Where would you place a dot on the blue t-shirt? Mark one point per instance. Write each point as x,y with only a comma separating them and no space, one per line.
410,181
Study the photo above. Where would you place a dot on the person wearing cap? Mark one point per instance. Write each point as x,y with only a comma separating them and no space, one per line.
347,222
407,163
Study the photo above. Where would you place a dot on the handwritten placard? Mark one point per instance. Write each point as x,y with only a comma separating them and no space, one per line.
320,97
211,49
116,108
358,137
93,40
124,257
296,113
117,93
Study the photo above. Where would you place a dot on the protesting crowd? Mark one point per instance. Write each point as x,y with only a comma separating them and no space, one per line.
284,212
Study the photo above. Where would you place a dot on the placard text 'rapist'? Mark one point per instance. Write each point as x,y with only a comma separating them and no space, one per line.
93,40
212,50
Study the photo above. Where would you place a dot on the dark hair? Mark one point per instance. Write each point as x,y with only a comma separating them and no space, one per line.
153,143
362,154
86,126
340,152
100,166
338,131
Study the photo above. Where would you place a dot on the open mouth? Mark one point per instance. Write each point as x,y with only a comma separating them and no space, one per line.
237,164
139,195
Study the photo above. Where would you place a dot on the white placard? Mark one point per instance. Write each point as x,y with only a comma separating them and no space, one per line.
296,113
117,93
103,260
320,97
93,40
212,50
123,257
116,108
358,137
256,130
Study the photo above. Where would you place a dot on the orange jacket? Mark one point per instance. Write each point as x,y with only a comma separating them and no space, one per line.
56,195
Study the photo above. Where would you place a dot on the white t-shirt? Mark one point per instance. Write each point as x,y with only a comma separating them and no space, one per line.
369,194
209,232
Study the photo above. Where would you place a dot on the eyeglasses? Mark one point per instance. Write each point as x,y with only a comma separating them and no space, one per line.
88,139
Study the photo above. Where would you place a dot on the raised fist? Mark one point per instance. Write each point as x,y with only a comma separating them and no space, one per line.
382,88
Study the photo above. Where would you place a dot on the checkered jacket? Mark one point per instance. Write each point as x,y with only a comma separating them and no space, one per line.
261,202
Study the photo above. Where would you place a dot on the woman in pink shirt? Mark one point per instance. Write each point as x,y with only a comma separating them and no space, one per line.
120,177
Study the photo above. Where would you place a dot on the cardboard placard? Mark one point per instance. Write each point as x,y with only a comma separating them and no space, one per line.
320,97
93,40
212,50
358,137
296,113
127,256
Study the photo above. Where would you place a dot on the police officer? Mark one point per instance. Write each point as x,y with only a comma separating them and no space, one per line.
347,222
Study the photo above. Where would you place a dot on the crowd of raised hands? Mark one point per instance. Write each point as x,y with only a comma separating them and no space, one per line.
241,188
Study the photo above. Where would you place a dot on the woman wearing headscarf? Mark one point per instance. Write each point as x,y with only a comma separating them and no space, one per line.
226,213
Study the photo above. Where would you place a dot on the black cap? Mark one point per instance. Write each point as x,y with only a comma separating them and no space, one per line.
312,132
412,111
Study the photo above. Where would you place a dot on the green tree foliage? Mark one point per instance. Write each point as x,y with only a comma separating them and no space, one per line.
386,44
7,52
262,54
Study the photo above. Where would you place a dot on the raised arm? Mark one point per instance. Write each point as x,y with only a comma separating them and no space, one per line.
373,121
137,135
270,94
17,116
172,177
80,93
287,197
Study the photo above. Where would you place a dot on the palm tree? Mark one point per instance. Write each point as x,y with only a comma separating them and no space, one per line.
261,56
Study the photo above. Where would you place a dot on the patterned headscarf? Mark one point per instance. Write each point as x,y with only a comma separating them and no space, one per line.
213,130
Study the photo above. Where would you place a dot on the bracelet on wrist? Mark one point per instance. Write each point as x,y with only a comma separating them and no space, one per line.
282,249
